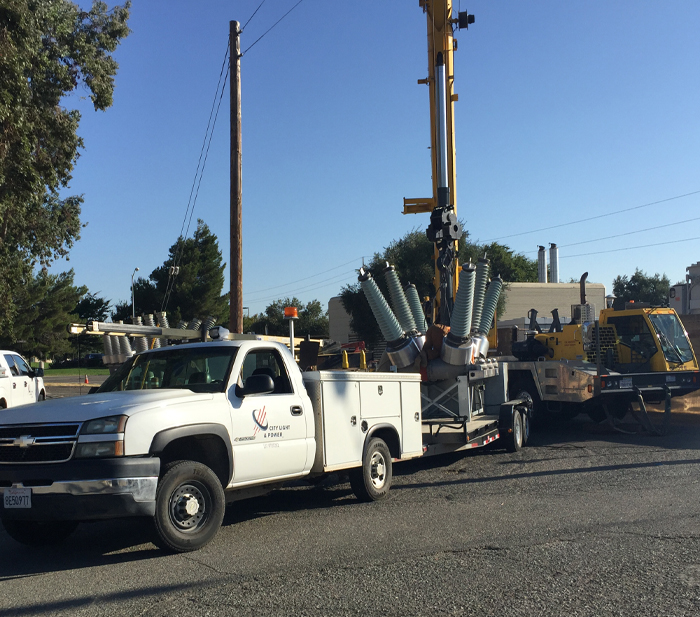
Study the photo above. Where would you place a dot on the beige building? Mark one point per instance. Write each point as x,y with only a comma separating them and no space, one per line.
521,297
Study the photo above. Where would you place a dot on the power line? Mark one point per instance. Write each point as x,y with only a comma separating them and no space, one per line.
593,218
253,15
201,164
312,287
629,248
270,28
306,278
629,233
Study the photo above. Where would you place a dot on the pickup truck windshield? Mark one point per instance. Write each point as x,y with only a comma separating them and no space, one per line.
200,369
674,342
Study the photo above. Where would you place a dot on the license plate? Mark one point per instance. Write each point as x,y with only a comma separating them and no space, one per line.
626,382
18,498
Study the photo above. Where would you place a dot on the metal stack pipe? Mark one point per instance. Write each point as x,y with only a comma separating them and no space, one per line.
554,262
402,350
482,278
541,265
416,307
398,300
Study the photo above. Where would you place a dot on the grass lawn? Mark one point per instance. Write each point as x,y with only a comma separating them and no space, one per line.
49,372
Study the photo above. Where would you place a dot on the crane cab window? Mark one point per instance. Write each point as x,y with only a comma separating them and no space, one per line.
266,362
633,331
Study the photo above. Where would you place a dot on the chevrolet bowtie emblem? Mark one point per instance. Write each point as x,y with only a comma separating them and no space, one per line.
24,441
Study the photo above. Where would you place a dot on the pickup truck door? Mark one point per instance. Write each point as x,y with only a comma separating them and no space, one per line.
22,387
269,430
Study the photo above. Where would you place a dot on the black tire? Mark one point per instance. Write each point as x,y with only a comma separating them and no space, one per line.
372,481
525,417
190,506
42,396
526,389
514,433
39,533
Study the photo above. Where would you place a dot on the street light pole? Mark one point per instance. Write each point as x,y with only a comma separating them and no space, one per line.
133,297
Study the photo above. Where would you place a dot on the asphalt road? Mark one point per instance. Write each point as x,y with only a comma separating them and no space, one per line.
584,521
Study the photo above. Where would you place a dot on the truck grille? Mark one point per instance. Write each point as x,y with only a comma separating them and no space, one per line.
37,443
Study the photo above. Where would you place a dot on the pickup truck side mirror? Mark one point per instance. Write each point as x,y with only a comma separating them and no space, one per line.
258,384
38,372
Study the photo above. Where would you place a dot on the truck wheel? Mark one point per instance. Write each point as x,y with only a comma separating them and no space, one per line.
190,506
39,533
514,437
372,481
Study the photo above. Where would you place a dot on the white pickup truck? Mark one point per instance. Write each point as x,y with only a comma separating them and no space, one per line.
20,384
178,432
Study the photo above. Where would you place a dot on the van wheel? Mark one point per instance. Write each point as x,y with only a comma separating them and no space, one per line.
42,396
190,506
372,481
39,533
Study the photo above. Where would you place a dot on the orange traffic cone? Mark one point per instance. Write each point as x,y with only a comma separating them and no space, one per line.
86,379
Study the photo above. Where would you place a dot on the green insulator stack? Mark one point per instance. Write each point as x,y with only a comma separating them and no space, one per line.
492,294
398,300
461,321
388,324
482,278
416,307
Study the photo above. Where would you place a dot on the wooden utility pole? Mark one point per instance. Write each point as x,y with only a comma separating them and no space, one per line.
236,293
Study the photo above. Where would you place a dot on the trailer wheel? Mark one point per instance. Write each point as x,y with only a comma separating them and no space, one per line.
372,481
525,389
525,418
39,533
190,506
514,432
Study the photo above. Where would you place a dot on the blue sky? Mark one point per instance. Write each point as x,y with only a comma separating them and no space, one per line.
567,111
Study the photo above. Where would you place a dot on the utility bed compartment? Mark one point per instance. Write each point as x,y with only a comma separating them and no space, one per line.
348,406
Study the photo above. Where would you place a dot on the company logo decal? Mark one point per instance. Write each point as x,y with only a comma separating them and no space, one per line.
260,419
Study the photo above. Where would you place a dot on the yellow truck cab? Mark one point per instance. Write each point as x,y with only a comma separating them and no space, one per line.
650,339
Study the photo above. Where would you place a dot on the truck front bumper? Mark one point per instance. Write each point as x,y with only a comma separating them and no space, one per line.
81,490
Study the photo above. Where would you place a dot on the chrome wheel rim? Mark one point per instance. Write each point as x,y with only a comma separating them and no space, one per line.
377,466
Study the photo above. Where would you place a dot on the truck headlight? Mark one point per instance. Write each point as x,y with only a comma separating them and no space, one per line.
104,426
102,437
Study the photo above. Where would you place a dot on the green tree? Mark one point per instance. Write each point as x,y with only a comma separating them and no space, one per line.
313,321
48,49
92,307
46,303
195,291
642,288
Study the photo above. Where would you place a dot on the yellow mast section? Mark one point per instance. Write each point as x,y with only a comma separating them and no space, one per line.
443,203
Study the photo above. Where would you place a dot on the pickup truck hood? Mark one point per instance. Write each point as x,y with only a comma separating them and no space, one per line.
81,408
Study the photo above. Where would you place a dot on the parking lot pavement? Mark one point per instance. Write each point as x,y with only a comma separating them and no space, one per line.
61,386
584,521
